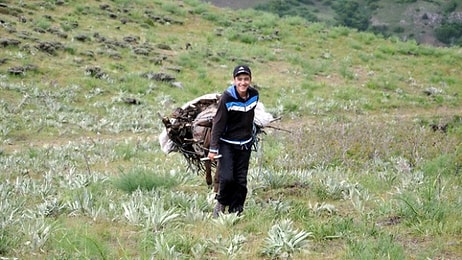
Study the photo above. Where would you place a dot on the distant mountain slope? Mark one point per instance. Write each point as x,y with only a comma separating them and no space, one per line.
437,23
236,4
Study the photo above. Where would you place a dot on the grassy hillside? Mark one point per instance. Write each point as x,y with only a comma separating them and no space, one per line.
366,166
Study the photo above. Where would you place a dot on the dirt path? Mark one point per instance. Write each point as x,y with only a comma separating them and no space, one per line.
440,113
443,114
22,145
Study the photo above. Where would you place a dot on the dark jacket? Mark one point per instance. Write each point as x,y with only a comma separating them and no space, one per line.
233,122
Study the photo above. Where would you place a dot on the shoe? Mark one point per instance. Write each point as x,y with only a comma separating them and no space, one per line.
237,210
218,208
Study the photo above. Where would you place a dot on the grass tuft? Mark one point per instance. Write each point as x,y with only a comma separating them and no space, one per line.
143,179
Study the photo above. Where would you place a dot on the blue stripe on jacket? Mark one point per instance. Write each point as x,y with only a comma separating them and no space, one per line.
242,106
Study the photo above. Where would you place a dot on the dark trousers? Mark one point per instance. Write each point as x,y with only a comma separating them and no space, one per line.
233,169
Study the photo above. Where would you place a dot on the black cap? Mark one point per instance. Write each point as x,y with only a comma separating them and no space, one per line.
242,69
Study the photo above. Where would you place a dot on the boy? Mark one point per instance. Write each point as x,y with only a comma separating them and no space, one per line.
232,137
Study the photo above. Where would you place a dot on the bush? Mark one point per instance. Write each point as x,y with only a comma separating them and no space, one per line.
449,33
352,14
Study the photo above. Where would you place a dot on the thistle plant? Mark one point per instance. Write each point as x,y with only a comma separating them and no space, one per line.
322,208
148,210
157,217
283,240
331,187
229,247
410,182
195,214
132,212
84,204
227,220
199,250
37,233
187,201
279,206
9,207
275,180
162,249
51,207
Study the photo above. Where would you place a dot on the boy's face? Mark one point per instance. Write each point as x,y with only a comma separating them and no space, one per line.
242,82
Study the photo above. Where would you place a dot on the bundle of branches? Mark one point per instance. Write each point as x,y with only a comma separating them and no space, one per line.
188,129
